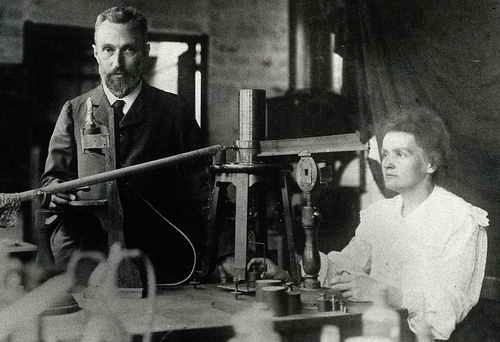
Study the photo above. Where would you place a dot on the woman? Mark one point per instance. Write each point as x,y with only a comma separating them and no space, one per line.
426,246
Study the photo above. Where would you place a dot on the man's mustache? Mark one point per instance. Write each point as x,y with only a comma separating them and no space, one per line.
118,72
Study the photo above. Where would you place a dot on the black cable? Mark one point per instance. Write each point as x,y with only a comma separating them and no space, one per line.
157,212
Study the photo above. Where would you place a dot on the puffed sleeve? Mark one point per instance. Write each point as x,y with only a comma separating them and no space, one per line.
355,257
61,164
440,290
329,267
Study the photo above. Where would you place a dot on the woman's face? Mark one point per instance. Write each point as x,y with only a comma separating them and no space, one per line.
405,164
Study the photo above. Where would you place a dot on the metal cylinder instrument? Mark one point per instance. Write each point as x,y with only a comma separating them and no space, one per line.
95,148
261,283
252,111
276,299
294,302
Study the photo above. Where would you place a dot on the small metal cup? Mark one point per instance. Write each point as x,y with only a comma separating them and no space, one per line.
324,302
294,304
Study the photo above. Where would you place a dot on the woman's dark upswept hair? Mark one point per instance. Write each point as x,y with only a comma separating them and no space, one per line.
123,15
429,131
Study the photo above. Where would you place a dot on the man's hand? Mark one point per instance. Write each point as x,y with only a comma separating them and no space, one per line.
356,287
60,200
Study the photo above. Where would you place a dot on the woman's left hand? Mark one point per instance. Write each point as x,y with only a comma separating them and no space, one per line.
355,286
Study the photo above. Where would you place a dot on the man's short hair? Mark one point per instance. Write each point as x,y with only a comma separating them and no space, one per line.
429,131
123,15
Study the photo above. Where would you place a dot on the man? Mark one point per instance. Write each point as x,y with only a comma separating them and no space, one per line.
154,125
426,246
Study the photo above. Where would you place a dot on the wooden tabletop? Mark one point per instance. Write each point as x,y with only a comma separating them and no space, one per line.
16,246
204,310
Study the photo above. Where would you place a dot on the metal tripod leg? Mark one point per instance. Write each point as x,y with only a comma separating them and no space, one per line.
289,230
241,182
211,241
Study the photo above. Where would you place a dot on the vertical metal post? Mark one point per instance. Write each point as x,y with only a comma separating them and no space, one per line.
242,185
252,112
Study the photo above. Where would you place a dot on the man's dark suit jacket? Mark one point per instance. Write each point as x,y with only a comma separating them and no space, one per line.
156,126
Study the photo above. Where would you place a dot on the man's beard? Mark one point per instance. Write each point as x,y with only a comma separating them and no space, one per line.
121,86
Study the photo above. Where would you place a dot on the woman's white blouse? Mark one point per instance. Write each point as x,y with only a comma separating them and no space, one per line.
436,255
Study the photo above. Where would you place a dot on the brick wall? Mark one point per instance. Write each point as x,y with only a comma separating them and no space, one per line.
11,31
248,49
248,43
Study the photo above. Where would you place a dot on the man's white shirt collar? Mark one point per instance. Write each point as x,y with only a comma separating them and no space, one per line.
129,99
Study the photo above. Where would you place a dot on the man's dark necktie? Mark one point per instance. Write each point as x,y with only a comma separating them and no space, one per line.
118,110
118,113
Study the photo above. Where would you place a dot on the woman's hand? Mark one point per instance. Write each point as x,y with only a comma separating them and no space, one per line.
268,269
356,286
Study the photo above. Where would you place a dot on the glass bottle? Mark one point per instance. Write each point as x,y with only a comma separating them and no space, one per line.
381,320
330,333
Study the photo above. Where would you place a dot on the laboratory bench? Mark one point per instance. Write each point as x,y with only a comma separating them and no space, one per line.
204,313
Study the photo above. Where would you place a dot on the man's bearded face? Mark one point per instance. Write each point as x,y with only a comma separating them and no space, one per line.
121,53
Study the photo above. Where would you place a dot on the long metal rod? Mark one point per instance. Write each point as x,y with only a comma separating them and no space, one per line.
319,144
118,173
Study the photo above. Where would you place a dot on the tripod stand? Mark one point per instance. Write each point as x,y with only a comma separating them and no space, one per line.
251,182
